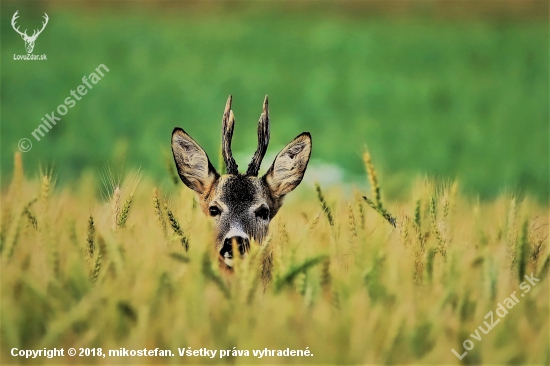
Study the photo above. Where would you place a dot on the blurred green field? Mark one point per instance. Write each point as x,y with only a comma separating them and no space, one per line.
465,99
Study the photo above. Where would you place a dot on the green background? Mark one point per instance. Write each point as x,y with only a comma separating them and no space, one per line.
459,93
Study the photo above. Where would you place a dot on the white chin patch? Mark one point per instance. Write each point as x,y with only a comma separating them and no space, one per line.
228,261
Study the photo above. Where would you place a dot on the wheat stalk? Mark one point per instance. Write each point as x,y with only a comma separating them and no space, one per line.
45,187
266,255
326,278
540,234
360,209
403,226
179,257
385,214
417,214
373,179
97,266
352,225
375,187
324,205
267,268
523,251
446,205
435,230
158,211
293,271
54,257
13,235
335,296
301,283
116,193
30,216
209,274
102,246
125,211
5,224
314,222
430,258
176,227
283,233
511,232
91,236
115,207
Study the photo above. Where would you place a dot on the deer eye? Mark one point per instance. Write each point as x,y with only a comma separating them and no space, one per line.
262,213
214,211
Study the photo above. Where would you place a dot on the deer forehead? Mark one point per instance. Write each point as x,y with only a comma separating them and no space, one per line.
238,192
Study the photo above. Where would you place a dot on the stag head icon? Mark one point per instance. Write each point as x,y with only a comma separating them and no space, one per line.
29,40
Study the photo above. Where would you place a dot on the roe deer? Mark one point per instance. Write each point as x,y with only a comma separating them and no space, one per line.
241,205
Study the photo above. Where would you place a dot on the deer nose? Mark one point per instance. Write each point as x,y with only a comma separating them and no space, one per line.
226,252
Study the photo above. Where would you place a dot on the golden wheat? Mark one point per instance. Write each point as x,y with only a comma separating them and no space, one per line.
158,210
373,179
441,245
125,211
66,287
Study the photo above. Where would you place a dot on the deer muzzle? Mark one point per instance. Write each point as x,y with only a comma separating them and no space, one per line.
237,241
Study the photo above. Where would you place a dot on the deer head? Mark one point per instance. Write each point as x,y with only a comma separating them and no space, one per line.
241,205
29,40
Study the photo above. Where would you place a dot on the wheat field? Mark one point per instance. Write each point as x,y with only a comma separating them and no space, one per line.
346,279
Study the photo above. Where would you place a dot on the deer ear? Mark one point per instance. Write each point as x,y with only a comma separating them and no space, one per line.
194,167
289,166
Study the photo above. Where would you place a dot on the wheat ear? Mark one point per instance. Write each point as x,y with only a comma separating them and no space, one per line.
158,210
91,236
324,205
177,228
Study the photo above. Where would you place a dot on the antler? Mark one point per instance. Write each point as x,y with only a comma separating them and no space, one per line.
13,19
228,123
263,141
35,34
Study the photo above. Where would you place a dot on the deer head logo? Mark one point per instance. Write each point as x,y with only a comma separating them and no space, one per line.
241,205
29,40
